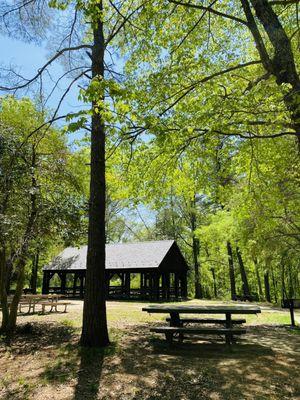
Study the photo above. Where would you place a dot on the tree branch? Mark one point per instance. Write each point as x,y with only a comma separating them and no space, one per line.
44,67
211,10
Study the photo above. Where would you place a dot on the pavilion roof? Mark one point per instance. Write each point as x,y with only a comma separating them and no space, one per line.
118,256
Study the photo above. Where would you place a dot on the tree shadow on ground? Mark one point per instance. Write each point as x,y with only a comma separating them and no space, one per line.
32,337
259,366
263,365
89,374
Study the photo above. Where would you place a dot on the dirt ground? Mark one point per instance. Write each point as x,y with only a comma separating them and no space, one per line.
45,362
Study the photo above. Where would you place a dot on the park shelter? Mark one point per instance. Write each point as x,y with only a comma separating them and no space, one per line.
158,270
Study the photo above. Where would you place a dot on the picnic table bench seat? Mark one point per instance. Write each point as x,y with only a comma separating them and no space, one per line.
169,331
208,321
54,305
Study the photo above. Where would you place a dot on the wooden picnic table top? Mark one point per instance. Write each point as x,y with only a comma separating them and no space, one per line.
195,309
40,296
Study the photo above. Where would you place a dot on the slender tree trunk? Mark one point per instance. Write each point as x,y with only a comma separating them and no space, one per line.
34,272
274,285
3,293
22,255
231,271
214,281
291,286
9,275
196,251
94,329
17,296
267,286
258,278
198,286
283,288
246,289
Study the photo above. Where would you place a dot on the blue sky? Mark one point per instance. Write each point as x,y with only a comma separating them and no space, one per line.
28,58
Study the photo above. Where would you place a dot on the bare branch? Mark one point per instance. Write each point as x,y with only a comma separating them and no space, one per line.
44,67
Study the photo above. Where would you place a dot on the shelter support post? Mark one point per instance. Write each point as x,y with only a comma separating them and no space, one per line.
46,280
75,283
176,284
62,276
82,277
184,285
127,284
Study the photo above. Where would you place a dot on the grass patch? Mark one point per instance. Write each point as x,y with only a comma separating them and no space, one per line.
139,365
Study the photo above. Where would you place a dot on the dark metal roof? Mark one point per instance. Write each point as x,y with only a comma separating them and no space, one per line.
118,256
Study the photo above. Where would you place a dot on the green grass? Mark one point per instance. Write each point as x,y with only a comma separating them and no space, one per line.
142,366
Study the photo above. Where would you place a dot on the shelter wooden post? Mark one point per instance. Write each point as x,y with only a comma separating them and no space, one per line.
184,285
46,280
156,286
168,286
127,284
142,284
176,285
62,276
75,283
82,277
163,283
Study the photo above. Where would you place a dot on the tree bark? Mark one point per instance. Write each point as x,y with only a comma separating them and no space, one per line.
13,309
94,329
267,286
274,284
282,66
258,278
196,251
20,257
246,290
34,272
3,292
214,282
231,271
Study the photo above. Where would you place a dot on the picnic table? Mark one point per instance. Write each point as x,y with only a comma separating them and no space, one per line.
179,325
44,300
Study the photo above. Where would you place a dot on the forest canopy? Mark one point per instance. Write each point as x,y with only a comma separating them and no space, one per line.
190,131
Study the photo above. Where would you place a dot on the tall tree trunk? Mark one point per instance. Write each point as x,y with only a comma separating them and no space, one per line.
196,251
231,271
13,309
267,286
9,275
282,65
246,290
198,286
258,278
283,288
274,285
3,292
94,329
291,285
214,282
21,256
34,272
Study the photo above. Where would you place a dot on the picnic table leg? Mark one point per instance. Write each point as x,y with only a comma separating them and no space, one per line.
292,312
169,337
175,321
229,337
